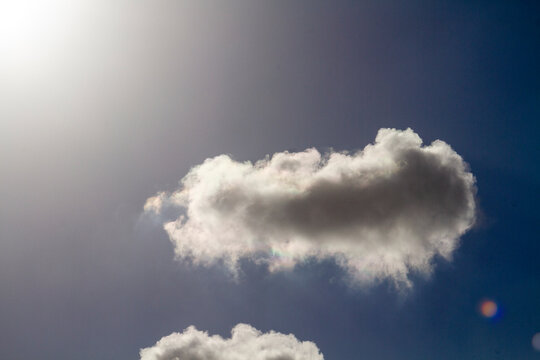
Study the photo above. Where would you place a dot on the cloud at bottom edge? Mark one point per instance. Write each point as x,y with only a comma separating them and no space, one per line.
245,343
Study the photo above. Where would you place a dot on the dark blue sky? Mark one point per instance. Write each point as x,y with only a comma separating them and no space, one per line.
137,94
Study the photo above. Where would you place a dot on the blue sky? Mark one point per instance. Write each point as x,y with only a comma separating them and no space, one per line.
121,100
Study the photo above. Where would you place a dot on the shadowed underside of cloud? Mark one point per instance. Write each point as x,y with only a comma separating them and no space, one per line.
246,343
380,212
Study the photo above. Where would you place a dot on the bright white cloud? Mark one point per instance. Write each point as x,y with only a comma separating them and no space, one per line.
246,343
380,212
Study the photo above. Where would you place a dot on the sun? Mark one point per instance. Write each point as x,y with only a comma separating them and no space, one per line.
32,31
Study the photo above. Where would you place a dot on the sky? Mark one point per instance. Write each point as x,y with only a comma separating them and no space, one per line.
269,180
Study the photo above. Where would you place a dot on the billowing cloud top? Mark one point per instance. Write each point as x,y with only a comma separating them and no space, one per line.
380,212
246,343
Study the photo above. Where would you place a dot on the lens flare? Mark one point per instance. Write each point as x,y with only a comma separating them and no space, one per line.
536,341
282,257
488,309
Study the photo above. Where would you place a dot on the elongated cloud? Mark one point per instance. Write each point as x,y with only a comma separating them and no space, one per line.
246,343
380,212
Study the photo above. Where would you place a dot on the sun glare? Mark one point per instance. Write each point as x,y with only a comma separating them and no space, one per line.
31,31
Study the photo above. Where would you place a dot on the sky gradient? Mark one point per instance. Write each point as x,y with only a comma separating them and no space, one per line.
119,100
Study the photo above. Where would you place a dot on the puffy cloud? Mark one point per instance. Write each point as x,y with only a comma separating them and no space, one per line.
380,212
246,343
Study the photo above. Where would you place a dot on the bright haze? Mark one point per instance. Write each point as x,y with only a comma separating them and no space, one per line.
279,180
